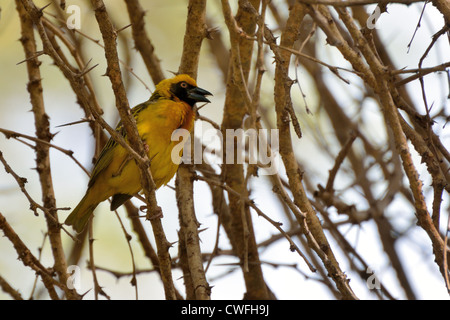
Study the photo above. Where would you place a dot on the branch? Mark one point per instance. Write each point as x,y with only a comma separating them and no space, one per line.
142,41
419,73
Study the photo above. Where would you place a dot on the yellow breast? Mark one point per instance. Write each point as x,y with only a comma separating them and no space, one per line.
155,124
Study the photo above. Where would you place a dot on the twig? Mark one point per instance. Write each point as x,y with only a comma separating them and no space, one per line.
33,204
128,238
120,274
446,254
417,26
7,288
41,248
97,288
339,159
420,72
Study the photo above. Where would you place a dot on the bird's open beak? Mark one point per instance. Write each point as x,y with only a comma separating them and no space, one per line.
198,94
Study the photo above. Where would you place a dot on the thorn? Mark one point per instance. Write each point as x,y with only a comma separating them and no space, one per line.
83,294
52,135
42,9
201,230
173,72
64,209
170,187
35,55
75,122
172,243
87,64
123,28
209,33
81,74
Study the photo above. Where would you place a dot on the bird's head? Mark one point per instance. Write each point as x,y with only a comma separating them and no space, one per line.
181,88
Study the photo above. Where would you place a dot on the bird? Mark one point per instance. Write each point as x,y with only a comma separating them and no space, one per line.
116,174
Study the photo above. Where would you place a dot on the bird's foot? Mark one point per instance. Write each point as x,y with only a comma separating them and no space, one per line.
146,147
152,215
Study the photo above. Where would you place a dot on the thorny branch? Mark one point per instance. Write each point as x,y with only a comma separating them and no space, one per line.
257,62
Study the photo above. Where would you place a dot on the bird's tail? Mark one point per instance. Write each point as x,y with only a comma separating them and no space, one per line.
81,214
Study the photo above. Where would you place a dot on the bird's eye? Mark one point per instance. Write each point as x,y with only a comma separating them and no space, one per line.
184,85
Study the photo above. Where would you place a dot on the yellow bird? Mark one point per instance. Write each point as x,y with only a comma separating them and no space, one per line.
116,174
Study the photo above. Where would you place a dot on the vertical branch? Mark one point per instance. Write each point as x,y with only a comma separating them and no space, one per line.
193,37
42,125
237,104
312,227
196,284
340,120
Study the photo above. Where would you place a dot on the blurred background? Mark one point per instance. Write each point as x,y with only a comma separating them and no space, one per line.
284,271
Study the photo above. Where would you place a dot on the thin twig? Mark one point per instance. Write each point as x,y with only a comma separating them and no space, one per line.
13,134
